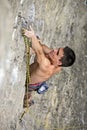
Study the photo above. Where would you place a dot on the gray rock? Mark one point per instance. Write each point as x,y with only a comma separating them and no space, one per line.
58,23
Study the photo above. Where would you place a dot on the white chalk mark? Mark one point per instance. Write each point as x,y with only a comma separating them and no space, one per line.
2,74
14,75
21,2
13,34
32,13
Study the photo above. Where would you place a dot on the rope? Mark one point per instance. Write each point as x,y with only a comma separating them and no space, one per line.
27,48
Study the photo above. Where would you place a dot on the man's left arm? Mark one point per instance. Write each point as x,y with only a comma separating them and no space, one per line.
45,48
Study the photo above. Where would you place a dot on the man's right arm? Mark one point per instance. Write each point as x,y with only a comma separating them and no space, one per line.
36,46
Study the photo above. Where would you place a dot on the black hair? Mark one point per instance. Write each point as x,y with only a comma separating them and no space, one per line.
69,57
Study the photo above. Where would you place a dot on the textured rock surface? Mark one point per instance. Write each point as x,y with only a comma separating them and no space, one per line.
58,23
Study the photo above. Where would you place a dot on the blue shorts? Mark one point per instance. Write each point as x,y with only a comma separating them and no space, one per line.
39,87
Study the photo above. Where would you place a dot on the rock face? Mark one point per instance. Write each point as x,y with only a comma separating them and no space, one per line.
58,23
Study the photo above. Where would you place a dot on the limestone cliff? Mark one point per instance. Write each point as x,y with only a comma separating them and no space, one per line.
58,23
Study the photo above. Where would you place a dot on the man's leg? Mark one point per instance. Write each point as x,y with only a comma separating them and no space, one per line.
29,94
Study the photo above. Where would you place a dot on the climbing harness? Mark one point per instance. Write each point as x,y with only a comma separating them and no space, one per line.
27,42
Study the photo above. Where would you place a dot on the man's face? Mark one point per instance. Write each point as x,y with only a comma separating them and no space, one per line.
56,55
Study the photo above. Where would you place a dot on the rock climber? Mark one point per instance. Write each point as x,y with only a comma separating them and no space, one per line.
47,62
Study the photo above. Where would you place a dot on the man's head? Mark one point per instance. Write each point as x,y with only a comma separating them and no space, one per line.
63,57
68,58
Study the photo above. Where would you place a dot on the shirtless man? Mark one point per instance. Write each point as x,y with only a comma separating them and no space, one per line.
48,61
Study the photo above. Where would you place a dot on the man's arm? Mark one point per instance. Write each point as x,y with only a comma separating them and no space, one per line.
36,46
46,49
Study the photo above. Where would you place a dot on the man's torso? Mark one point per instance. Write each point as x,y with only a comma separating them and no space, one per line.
41,72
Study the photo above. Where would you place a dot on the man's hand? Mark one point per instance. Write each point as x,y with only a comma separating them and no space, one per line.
27,33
